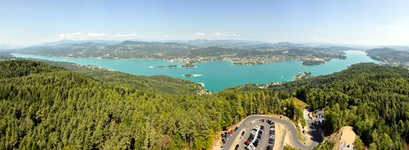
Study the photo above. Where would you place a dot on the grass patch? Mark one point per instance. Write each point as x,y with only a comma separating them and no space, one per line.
288,147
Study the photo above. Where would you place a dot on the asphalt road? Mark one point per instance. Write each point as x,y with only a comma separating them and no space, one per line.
246,123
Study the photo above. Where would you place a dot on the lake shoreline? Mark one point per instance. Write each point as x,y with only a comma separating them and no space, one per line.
219,75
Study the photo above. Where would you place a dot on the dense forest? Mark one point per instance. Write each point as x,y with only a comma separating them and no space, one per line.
373,99
45,107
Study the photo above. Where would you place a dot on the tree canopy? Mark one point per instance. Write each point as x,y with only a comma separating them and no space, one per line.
45,107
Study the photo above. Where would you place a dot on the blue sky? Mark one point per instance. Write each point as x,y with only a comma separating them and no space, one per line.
358,22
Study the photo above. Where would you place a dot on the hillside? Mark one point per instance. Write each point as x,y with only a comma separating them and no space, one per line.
372,99
45,107
53,108
390,56
153,84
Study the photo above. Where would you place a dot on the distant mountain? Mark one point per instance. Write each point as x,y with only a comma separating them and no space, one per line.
378,51
287,44
78,42
403,48
238,44
238,52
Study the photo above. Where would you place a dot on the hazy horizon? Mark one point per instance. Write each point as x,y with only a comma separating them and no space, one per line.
361,23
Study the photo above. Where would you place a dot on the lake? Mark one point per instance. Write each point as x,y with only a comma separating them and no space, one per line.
218,75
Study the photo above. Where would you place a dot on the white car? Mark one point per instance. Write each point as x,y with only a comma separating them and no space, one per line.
256,127
252,147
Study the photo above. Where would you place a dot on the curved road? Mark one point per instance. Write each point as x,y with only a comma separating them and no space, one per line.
246,122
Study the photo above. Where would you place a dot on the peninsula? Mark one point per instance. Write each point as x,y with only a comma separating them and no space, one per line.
247,54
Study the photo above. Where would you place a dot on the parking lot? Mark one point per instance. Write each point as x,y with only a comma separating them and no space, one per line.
256,131
259,134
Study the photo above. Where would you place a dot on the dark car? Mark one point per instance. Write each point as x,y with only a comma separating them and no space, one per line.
235,129
262,128
269,121
258,136
246,148
237,147
271,141
255,143
243,133
260,132
269,147
251,137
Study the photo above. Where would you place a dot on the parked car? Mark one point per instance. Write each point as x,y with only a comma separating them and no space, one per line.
242,133
260,132
269,147
258,136
237,147
262,128
251,137
256,127
272,128
252,146
255,143
247,143
269,121
270,141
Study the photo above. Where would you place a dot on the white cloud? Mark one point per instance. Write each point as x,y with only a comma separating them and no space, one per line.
215,35
218,34
135,36
130,35
83,36
200,34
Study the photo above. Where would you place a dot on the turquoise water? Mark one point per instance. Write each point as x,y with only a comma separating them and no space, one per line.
219,75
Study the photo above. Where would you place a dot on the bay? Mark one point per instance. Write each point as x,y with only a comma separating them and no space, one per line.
218,75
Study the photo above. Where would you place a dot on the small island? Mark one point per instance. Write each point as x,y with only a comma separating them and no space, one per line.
312,62
191,75
188,65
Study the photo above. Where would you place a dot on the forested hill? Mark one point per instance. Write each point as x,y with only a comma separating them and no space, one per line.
158,83
390,56
373,99
45,107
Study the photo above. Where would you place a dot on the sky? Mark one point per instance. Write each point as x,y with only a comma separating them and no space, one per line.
356,22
